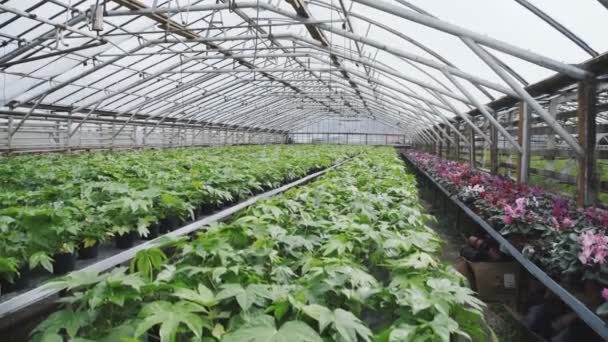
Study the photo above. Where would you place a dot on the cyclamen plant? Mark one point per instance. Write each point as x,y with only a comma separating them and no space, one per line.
532,213
594,247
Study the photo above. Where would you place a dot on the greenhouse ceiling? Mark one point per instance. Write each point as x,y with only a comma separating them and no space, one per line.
275,66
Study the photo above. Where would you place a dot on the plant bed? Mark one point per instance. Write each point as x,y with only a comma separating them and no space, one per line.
47,206
299,266
526,228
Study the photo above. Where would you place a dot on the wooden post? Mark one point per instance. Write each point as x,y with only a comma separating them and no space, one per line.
439,144
447,143
587,175
493,150
472,148
523,139
458,143
551,143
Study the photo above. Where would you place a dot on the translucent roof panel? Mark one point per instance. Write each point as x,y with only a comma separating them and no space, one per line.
286,65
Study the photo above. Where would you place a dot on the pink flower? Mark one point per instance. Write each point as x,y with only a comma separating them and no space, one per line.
520,206
600,256
587,239
595,247
554,222
582,258
508,219
605,293
568,223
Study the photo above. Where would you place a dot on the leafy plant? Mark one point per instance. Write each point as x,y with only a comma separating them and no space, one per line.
345,258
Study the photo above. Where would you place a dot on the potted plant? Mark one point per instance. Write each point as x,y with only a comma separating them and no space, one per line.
14,273
174,210
8,272
130,216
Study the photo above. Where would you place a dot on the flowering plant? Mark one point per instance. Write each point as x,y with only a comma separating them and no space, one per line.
566,245
471,193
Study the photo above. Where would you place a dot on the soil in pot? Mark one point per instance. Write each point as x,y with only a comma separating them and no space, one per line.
126,240
64,263
154,232
90,252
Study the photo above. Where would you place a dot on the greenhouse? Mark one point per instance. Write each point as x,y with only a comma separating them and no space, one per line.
303,170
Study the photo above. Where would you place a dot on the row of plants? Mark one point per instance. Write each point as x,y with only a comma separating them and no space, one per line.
345,258
54,206
569,243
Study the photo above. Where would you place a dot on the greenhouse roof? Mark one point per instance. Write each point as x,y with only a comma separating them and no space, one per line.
279,65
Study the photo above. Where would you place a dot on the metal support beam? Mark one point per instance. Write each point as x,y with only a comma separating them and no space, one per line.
551,122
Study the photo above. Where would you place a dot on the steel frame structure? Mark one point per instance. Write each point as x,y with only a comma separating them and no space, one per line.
169,72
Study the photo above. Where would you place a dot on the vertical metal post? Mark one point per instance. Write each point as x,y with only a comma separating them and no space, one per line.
134,135
587,176
113,135
523,138
10,132
366,138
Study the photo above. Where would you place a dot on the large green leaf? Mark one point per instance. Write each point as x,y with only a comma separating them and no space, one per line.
170,316
263,329
347,325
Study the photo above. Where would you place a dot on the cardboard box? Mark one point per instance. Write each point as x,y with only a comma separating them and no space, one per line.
462,266
497,281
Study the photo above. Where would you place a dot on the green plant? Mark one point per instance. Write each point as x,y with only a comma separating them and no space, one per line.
345,258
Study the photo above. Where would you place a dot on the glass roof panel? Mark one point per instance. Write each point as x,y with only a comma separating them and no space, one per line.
365,61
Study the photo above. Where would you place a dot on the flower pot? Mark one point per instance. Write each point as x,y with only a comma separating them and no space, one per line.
593,292
20,282
205,209
170,223
90,252
126,240
64,263
154,232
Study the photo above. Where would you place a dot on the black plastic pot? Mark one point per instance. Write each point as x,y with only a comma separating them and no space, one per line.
126,240
154,232
64,263
91,252
170,223
20,282
204,210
